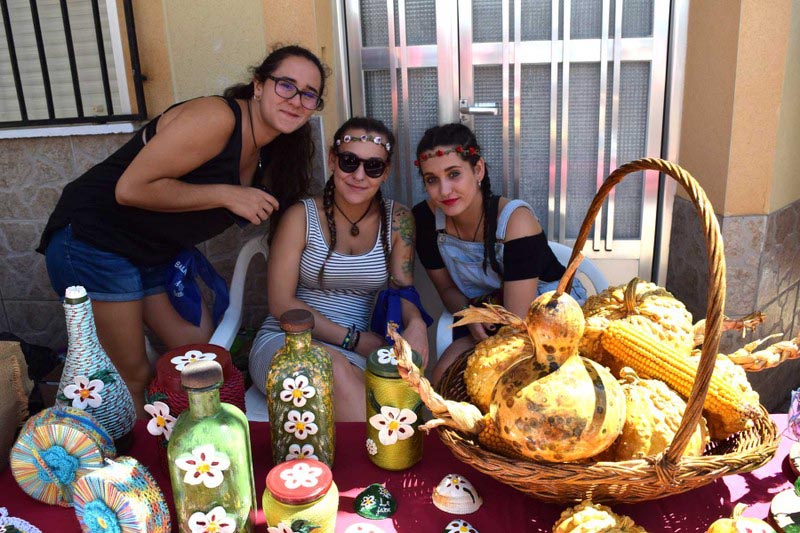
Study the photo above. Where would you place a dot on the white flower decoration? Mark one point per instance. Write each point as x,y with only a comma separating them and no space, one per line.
301,475
297,390
362,527
191,356
215,521
460,526
301,425
296,452
386,355
282,527
162,422
84,393
393,424
205,465
372,448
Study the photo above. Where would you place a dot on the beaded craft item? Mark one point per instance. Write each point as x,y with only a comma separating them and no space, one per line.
56,448
122,497
90,381
10,524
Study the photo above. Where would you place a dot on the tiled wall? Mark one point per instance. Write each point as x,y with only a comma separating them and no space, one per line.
763,273
34,171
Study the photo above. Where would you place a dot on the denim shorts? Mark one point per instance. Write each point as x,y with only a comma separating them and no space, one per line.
106,276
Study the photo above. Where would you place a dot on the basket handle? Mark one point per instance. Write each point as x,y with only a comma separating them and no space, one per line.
716,286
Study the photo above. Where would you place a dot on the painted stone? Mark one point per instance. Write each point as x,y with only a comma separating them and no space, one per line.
459,526
375,503
456,495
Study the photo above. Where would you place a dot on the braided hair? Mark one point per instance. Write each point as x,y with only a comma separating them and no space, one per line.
460,135
373,126
288,158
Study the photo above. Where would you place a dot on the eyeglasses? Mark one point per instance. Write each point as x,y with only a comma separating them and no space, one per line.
374,167
286,89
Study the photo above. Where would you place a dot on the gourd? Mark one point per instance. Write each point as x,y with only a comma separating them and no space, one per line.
588,517
737,523
652,417
490,358
640,303
730,405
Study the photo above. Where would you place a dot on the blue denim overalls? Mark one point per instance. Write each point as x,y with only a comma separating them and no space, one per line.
464,259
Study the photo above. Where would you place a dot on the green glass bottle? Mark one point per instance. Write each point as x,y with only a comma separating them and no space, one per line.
210,462
300,394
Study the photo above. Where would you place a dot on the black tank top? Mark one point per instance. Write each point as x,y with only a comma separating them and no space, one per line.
146,238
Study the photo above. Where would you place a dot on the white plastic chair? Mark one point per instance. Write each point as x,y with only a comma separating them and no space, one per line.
232,319
587,271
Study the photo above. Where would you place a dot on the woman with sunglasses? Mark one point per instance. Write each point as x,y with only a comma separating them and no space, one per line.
185,177
475,246
333,253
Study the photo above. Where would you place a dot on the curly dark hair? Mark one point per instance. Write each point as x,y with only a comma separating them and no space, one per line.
287,171
369,125
460,135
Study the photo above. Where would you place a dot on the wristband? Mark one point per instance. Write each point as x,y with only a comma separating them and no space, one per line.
351,339
357,340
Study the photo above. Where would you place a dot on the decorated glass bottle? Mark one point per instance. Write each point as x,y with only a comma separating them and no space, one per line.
90,380
394,441
209,456
300,394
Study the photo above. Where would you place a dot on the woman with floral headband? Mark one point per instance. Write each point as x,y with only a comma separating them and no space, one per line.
333,253
476,247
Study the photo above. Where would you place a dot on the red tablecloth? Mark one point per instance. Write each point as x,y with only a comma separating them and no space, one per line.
504,508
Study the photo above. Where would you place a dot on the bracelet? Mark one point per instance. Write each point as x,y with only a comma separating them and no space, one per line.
351,338
358,338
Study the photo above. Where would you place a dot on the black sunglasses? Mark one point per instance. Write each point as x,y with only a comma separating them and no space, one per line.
374,167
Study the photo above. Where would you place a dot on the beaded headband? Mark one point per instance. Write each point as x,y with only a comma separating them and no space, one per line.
364,139
463,151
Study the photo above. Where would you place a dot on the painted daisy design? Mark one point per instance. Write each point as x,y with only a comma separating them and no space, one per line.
393,424
191,356
84,392
297,390
205,465
161,422
215,521
386,355
460,526
296,452
301,425
301,475
282,527
368,501
372,448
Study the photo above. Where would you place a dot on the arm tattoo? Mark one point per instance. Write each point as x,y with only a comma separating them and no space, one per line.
404,223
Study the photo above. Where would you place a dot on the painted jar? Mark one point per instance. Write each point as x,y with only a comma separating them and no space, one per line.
210,461
301,496
90,380
300,394
394,441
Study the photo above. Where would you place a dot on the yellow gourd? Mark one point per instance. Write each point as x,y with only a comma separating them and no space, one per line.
588,517
652,417
737,523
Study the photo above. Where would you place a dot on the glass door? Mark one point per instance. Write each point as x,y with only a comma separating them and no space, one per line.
558,92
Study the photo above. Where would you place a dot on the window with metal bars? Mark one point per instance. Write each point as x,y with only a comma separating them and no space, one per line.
68,62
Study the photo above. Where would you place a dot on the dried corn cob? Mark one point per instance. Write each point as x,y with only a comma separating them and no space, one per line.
729,408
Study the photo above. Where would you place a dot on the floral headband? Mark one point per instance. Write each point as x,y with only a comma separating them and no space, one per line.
463,151
364,139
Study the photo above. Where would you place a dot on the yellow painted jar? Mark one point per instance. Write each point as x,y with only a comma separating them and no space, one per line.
394,413
301,490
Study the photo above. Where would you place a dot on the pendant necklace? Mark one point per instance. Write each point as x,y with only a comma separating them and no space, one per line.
354,231
253,133
474,235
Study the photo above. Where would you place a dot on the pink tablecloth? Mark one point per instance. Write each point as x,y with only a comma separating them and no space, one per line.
504,508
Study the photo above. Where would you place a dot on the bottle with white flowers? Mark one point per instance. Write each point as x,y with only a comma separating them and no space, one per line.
90,380
394,441
300,394
209,457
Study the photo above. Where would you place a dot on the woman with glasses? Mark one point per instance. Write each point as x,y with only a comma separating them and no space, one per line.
332,254
125,225
477,247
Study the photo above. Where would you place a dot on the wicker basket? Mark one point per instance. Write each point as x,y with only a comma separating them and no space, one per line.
653,477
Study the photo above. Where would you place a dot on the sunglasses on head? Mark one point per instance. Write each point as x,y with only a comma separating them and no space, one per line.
374,167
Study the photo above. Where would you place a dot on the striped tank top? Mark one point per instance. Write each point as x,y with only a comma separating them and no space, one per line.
349,283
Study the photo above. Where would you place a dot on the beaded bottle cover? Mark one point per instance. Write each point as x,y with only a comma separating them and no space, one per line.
54,449
90,381
123,497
